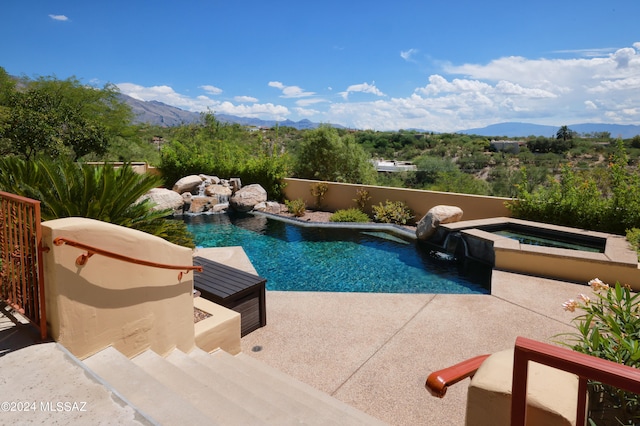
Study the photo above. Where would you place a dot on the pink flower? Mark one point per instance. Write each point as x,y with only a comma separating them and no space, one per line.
597,284
570,305
584,298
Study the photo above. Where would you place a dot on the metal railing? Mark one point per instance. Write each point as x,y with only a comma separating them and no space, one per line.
91,250
21,268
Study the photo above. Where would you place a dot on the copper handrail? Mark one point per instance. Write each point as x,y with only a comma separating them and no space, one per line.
439,381
584,366
91,250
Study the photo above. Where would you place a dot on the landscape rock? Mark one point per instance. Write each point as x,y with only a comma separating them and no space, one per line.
217,190
269,207
435,217
246,198
202,204
163,198
188,184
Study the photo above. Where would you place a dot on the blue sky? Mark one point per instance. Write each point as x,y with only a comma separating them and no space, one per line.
433,65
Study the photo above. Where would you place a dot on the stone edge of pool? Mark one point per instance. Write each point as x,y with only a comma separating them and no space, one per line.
397,229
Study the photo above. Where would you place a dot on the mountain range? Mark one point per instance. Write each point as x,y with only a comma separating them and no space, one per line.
160,114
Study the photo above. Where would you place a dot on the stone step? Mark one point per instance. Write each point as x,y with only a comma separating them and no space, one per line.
51,386
307,404
218,400
143,391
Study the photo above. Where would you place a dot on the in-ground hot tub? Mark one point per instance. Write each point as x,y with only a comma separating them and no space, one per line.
541,249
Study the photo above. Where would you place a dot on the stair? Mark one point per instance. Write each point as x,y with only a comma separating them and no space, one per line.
217,389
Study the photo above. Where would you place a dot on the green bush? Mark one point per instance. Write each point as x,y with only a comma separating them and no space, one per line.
392,212
583,200
633,236
296,207
608,328
349,215
68,189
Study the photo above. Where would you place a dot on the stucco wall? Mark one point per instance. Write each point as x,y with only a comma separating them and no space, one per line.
112,302
341,195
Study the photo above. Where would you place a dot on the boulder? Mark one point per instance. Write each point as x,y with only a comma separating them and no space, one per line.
202,204
188,184
269,207
246,198
163,198
436,216
222,192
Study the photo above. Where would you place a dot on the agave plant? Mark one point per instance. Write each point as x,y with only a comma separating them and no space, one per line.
68,189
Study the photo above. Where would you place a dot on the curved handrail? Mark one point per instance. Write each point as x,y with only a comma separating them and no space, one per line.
83,258
439,381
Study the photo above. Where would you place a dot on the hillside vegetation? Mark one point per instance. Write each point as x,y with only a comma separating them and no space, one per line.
51,118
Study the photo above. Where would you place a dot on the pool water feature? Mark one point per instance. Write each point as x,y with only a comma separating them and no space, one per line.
297,258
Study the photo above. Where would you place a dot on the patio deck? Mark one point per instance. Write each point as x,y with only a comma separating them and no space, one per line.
375,351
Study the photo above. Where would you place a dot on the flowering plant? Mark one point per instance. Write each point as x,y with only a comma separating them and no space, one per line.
609,328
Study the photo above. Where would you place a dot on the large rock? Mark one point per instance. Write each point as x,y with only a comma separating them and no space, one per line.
188,184
246,198
220,191
163,198
438,215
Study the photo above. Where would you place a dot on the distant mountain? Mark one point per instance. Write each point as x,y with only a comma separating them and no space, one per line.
160,114
528,129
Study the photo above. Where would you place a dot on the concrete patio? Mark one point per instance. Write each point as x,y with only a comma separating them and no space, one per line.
375,351
372,351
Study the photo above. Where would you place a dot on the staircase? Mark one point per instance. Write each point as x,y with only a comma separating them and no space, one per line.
216,389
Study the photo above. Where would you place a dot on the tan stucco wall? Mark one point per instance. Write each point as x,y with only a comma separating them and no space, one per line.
341,195
551,394
112,302
566,268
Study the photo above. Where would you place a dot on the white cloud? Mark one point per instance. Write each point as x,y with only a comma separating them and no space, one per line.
245,99
212,90
201,103
600,88
407,54
362,88
59,17
310,101
290,91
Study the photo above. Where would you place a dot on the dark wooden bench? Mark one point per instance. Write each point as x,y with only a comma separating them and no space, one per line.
234,289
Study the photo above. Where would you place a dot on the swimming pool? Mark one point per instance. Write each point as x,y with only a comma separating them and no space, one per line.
296,258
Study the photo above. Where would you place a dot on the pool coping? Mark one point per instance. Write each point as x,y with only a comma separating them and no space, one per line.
396,229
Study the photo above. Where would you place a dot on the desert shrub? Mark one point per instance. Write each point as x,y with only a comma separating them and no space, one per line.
318,190
349,215
584,201
296,207
392,212
633,236
362,197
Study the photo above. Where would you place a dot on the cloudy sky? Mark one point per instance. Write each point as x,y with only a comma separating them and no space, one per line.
433,65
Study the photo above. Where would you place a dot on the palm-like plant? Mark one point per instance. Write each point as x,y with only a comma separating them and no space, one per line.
68,189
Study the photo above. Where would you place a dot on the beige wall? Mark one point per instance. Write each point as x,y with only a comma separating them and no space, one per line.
574,269
112,302
341,195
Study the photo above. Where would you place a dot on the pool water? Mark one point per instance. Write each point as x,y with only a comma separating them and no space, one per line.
296,258
539,240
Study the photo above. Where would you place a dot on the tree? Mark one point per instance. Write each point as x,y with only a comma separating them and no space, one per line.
60,117
324,155
565,133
